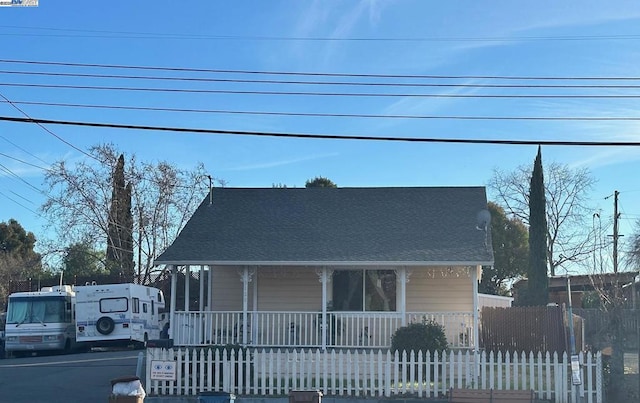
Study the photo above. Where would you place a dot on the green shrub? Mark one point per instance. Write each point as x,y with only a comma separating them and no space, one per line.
426,336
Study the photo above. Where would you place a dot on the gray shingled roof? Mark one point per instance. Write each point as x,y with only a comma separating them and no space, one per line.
428,225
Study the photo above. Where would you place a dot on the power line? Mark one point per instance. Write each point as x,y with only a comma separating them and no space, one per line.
11,173
325,136
22,149
312,74
22,161
47,130
158,35
331,94
20,204
22,197
297,82
339,115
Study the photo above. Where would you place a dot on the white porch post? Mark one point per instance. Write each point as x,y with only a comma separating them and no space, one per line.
476,321
201,281
254,316
187,274
323,326
210,288
245,302
172,303
402,297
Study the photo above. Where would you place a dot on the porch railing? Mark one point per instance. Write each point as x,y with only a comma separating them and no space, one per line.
307,329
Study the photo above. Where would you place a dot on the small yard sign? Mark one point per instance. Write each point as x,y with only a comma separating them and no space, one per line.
575,370
163,370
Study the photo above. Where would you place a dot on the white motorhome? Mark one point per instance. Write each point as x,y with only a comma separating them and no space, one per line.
118,314
40,321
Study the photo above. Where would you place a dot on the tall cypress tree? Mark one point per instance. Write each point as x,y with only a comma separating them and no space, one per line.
120,225
538,279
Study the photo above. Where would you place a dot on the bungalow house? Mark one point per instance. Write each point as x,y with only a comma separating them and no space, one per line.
330,267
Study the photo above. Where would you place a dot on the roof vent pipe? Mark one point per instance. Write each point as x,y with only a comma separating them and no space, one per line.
210,190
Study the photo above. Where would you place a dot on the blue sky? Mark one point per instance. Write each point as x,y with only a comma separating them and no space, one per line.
461,38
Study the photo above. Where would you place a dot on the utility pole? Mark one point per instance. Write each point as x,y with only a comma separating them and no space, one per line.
615,315
615,231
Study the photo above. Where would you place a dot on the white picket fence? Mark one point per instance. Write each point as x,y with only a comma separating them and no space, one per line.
360,373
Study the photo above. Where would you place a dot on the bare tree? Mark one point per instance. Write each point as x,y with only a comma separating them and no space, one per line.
163,198
633,253
570,237
163,201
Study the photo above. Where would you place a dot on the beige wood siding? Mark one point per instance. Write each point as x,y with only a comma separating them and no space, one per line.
292,289
227,289
437,290
298,289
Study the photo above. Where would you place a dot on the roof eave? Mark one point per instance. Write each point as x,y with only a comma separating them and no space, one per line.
321,263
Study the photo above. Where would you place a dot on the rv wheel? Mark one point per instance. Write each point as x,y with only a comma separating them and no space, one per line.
105,325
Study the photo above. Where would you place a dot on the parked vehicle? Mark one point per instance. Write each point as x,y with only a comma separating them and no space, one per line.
3,320
40,321
118,314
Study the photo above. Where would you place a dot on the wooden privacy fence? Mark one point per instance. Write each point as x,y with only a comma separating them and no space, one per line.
372,373
537,329
597,325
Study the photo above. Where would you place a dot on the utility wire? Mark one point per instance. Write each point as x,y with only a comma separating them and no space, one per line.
160,35
22,197
10,172
338,115
296,82
20,204
303,93
22,161
325,136
312,74
47,130
22,149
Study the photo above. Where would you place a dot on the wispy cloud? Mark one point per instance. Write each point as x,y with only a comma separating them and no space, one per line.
425,106
334,20
278,163
612,131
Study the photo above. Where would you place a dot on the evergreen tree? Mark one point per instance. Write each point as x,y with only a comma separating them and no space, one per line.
320,182
80,259
538,279
120,225
510,241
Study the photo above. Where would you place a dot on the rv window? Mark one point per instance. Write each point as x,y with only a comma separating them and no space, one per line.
136,305
159,296
152,310
108,305
144,307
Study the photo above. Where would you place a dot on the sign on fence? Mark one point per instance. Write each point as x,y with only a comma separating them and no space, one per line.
163,370
575,370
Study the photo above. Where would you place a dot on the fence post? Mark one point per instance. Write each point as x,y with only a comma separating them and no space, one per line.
599,377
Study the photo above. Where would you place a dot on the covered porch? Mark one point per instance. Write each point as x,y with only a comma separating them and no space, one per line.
357,306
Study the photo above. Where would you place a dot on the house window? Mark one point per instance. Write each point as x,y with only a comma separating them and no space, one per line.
364,290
